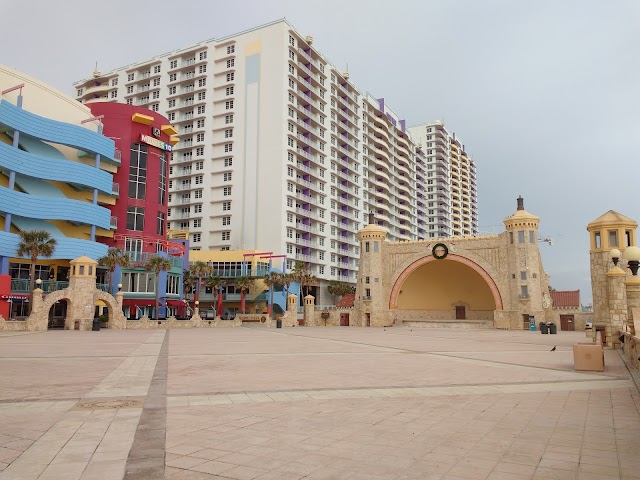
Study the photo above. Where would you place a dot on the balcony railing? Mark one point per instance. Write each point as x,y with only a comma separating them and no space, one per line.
113,223
21,285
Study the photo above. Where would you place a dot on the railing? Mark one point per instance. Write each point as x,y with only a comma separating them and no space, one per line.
144,257
237,272
113,222
115,188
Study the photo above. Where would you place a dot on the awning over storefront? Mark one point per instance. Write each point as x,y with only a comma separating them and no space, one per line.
177,303
138,302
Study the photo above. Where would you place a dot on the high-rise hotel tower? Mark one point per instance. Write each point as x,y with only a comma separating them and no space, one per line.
278,150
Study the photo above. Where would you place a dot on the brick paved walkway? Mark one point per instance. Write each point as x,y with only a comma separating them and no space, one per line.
313,403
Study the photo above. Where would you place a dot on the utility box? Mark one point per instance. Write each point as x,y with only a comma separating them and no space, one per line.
588,357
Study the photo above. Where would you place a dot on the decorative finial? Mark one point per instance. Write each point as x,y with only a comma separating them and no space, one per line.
371,218
520,203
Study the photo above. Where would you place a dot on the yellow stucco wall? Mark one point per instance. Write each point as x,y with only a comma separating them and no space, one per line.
442,284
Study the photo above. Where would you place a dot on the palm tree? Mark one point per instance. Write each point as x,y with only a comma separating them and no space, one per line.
34,244
271,280
287,280
244,284
199,270
188,282
215,282
340,289
158,264
114,257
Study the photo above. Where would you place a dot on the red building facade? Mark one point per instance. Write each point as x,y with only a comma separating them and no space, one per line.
145,140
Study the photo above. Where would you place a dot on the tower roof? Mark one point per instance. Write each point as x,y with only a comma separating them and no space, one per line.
612,218
521,217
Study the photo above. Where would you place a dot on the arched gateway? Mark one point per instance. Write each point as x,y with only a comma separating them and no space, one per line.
81,297
490,280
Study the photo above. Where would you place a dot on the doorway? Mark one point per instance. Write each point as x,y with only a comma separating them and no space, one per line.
567,323
57,315
344,319
461,313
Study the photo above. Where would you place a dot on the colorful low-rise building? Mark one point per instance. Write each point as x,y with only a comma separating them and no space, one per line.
56,175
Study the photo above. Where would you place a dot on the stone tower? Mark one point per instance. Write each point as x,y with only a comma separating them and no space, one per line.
370,299
530,293
610,231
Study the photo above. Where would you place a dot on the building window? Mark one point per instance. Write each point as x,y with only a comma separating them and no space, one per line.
114,94
135,218
202,82
138,171
160,224
226,206
156,69
199,179
366,247
228,133
130,89
231,49
532,236
142,282
201,109
228,147
520,236
198,194
200,151
523,275
511,238
229,91
597,240
202,69
196,237
114,82
226,191
173,77
203,55
524,291
197,208
231,77
228,105
228,162
226,236
226,220
228,119
230,63
131,77
227,177
613,238
162,187
200,124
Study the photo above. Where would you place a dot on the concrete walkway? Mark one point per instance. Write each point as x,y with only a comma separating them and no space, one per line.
313,403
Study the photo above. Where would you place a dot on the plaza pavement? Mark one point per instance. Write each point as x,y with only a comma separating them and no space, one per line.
312,403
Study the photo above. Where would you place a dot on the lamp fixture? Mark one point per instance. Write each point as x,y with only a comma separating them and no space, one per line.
615,256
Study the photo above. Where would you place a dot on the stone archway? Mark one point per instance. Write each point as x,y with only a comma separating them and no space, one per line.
79,308
481,278
114,309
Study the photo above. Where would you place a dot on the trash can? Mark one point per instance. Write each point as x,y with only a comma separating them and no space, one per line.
553,328
96,325
544,328
278,323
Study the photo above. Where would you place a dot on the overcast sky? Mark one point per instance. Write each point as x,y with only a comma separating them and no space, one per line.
545,94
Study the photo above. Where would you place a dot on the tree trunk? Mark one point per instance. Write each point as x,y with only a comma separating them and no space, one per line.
157,295
242,300
32,281
271,302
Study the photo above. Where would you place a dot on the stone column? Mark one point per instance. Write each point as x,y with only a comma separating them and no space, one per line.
617,305
633,301
292,304
309,310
